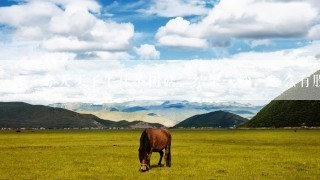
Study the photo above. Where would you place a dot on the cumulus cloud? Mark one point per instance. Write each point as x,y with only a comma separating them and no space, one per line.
105,55
260,42
243,19
242,77
28,14
314,32
66,26
174,8
147,52
178,33
30,51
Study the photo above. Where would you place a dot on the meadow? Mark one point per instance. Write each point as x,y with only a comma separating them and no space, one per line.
196,154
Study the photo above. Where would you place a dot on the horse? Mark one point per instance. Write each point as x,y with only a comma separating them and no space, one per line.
154,140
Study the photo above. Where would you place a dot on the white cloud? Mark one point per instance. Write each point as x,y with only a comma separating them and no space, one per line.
31,51
104,55
90,5
73,20
244,19
252,19
29,33
177,33
28,14
174,8
182,42
260,42
66,26
242,77
147,52
314,32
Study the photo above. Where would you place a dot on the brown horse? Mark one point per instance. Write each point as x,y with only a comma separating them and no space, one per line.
154,140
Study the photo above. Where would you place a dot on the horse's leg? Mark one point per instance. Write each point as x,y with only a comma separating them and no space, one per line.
167,156
149,157
161,155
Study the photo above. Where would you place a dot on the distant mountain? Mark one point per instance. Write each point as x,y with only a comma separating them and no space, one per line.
133,124
113,109
297,106
134,109
174,106
23,115
130,116
152,114
216,119
78,106
241,112
142,125
168,112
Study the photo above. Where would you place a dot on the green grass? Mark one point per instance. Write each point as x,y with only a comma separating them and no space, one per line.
200,154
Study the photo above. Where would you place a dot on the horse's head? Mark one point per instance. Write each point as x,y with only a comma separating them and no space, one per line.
144,160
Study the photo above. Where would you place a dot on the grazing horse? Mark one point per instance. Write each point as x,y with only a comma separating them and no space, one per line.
154,140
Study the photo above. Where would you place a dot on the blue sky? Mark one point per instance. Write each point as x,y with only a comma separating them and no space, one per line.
149,25
60,50
147,17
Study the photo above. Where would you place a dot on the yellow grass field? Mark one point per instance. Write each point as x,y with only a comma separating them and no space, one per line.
196,154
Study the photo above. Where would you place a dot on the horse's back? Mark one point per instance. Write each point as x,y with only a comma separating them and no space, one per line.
159,138
158,132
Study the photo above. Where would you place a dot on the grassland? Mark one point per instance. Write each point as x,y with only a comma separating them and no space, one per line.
196,154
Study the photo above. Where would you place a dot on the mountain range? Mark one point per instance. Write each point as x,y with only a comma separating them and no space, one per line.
298,106
168,113
23,115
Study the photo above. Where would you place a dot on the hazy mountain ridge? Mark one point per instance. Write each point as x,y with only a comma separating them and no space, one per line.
154,105
23,115
167,112
133,124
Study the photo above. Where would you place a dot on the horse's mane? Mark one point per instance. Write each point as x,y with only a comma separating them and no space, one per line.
144,141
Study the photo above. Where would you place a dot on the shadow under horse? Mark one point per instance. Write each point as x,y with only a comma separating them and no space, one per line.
154,140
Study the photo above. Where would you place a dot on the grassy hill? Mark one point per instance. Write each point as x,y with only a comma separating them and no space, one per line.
295,107
23,115
217,119
287,113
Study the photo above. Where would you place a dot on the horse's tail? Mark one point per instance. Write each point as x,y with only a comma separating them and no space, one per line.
168,163
169,157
